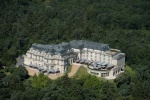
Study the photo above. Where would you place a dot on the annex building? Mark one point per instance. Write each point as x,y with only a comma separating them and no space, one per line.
98,58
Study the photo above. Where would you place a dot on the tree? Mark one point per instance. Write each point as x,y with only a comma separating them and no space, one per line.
17,96
13,82
0,65
64,81
2,75
108,91
40,81
22,72
92,82
140,86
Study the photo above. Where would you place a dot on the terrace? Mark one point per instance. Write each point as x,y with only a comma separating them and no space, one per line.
113,52
95,65
45,70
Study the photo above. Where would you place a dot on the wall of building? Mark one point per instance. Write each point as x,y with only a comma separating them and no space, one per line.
38,56
104,73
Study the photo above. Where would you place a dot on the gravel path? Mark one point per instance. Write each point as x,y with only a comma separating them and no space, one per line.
74,69
32,71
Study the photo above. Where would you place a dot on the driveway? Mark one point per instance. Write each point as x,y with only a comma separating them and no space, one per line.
19,60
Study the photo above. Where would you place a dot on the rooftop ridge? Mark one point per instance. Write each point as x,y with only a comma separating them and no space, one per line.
74,44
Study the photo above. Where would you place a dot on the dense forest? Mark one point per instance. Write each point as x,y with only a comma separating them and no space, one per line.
123,24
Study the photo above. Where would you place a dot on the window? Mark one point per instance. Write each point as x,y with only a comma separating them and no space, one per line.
104,74
113,73
94,73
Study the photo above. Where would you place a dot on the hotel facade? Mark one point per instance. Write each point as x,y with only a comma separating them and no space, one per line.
99,59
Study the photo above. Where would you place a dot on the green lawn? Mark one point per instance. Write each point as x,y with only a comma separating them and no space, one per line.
69,69
82,71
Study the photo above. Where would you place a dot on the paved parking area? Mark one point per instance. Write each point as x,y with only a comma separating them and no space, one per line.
19,60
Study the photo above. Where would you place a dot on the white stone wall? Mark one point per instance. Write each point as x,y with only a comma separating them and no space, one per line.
41,57
37,57
105,73
96,55
114,62
77,51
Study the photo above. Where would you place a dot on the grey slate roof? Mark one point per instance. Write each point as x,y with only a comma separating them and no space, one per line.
120,56
88,44
64,46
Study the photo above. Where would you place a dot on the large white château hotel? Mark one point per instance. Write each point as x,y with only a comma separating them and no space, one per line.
99,59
